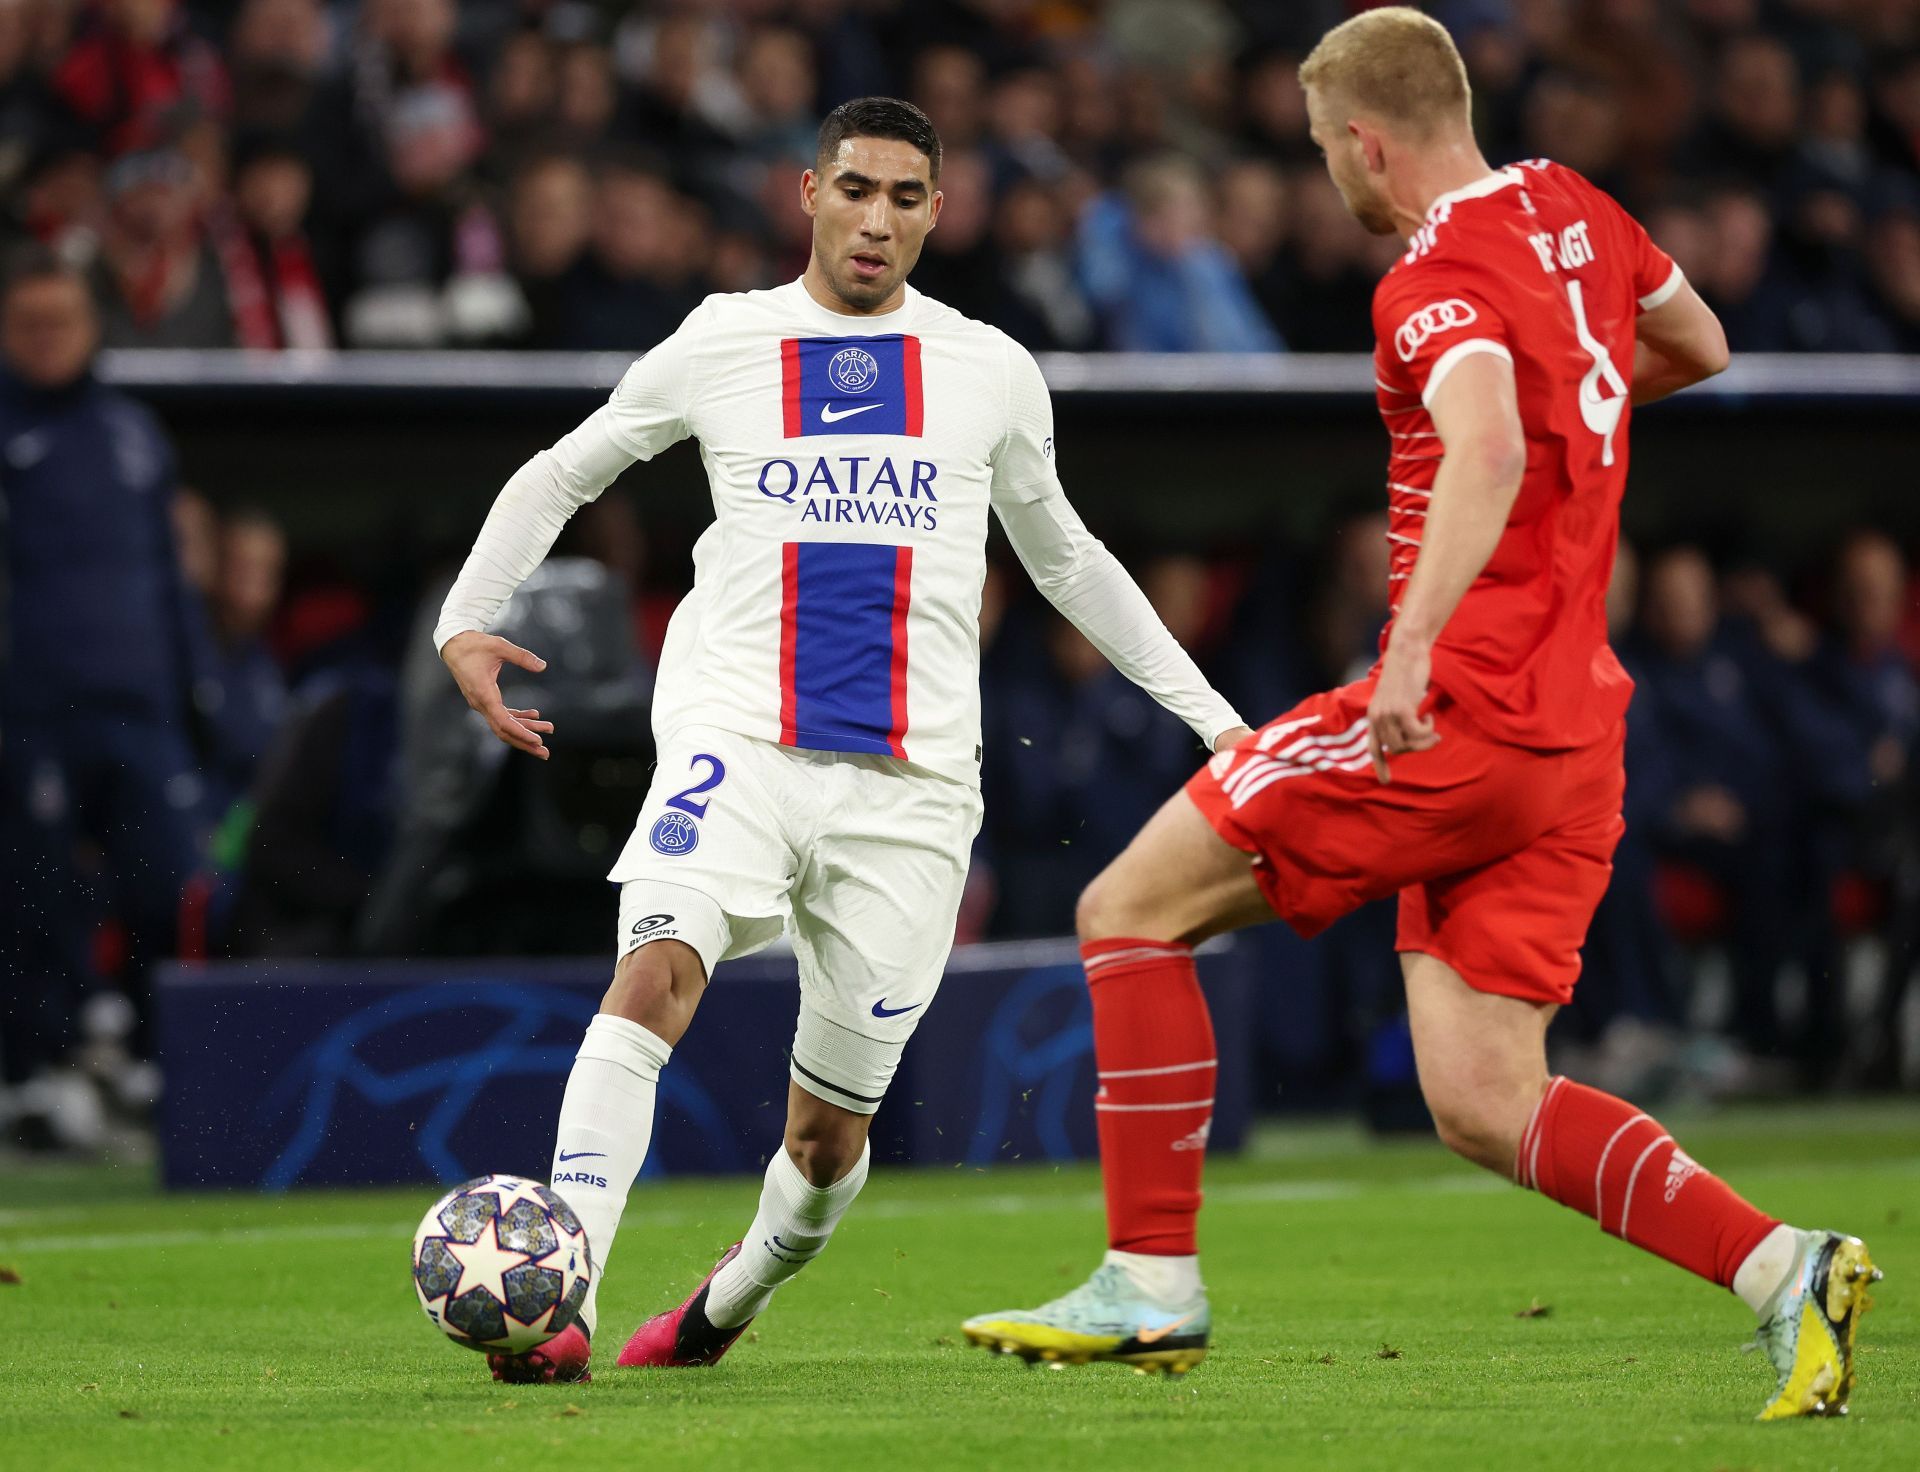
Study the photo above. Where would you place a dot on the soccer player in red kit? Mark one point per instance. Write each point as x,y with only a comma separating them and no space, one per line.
1476,772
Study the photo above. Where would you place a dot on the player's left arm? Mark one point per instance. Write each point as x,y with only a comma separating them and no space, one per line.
1476,412
1078,575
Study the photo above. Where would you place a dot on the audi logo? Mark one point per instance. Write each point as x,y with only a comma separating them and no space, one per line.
1423,324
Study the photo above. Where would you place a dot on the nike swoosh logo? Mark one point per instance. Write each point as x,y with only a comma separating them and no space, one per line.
1154,1336
881,1009
829,416
582,1155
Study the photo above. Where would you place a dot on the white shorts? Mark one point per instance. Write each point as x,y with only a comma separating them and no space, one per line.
862,859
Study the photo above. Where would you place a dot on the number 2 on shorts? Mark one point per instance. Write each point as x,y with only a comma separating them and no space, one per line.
684,799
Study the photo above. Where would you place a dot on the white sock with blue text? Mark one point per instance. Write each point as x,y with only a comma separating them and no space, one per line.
788,1232
606,1124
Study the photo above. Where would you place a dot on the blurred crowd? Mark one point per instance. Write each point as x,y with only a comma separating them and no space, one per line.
1120,174
198,758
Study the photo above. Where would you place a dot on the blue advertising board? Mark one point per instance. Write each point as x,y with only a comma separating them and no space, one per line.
284,1074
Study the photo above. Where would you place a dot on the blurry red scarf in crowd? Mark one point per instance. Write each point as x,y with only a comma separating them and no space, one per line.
272,288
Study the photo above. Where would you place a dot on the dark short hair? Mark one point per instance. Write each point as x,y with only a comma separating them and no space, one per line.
35,262
880,117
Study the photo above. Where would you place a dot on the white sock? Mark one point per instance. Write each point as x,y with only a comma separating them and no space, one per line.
1170,1281
1758,1278
606,1124
788,1232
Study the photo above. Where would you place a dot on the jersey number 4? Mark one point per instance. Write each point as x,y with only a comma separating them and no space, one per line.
1600,412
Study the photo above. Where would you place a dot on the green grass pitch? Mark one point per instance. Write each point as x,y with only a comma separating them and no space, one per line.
1370,1303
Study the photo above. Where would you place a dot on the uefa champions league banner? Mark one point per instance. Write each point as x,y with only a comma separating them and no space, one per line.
385,1072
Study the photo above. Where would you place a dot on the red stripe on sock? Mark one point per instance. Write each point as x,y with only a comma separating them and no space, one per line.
1154,1050
1601,1156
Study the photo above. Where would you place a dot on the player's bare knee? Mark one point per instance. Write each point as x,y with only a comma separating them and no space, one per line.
657,986
1475,1127
1103,910
824,1148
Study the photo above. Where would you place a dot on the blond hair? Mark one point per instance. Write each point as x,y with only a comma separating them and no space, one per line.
1395,64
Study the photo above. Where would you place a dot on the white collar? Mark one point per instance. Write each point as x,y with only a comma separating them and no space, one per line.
849,325
1490,184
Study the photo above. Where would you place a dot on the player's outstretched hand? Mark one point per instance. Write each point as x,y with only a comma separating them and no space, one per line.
475,660
1395,723
1228,739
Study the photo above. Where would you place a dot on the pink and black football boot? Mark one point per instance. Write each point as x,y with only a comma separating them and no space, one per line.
682,1337
562,1360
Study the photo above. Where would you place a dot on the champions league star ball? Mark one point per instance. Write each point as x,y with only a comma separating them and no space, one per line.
501,1264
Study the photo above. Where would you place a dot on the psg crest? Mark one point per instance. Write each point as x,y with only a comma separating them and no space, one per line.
853,370
674,833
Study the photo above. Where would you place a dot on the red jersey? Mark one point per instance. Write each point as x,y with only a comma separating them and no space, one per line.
1535,265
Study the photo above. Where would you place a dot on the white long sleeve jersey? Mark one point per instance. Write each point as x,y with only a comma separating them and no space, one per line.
852,460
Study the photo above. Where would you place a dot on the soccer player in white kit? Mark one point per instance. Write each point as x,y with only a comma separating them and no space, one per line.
817,713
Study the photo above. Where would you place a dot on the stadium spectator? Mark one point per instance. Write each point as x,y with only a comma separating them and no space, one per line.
272,280
1159,278
196,538
1630,1005
1866,665
416,108
1728,814
1038,298
957,265
1801,121
1744,287
1252,209
1079,757
1324,295
1752,126
522,92
430,265
245,700
776,121
278,55
106,644
1893,255
549,223
589,96
132,62
636,282
157,279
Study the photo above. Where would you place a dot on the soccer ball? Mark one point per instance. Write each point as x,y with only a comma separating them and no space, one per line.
501,1264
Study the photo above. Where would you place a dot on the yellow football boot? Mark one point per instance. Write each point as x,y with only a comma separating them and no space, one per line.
1107,1318
1807,1328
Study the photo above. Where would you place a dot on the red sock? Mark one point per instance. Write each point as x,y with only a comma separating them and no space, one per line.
1153,1046
1600,1155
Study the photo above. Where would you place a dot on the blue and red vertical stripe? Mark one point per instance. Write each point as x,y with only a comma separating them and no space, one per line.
843,646
851,385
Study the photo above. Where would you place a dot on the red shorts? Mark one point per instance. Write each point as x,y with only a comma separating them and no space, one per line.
1499,854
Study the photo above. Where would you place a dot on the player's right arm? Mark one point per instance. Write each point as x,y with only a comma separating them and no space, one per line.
1676,345
1476,413
646,413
